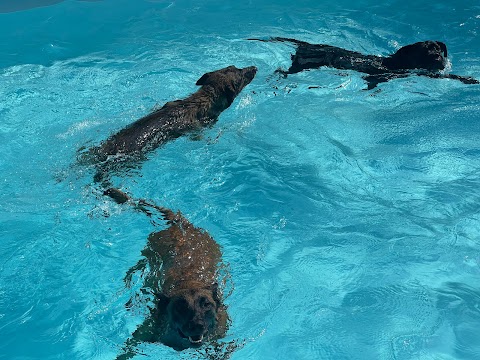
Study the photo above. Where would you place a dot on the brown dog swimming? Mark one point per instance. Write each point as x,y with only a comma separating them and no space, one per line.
176,118
184,264
425,58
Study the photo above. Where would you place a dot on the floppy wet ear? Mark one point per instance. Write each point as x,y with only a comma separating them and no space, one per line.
216,295
162,301
443,47
203,80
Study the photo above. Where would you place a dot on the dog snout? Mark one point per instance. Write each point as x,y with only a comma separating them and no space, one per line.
196,328
250,71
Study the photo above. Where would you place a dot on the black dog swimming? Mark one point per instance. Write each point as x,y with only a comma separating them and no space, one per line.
425,58
176,118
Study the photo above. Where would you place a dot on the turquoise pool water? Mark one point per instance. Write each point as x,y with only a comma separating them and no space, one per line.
350,219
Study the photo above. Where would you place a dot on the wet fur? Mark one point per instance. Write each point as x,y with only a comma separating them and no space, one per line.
425,58
130,145
184,263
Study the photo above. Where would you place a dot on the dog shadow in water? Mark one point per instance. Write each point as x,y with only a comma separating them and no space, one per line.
186,276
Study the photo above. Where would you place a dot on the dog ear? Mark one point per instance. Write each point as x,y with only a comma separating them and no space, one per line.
216,294
443,47
203,80
230,93
162,301
160,312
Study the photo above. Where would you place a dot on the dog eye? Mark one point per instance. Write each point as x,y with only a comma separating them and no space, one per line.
181,306
204,302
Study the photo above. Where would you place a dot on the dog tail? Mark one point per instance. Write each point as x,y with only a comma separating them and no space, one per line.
121,197
281,39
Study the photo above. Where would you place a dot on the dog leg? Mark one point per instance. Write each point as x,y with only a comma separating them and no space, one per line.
463,79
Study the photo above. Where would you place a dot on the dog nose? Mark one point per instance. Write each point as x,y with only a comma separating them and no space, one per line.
249,72
196,329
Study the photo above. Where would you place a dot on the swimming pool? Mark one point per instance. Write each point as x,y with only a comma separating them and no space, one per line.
350,219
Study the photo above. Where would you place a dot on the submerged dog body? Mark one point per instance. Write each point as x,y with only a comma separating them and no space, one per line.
176,118
184,269
427,58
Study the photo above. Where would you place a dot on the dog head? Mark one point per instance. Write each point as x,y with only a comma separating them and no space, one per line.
428,55
193,313
229,81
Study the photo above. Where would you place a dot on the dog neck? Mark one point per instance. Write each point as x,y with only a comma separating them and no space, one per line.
390,63
177,286
395,64
215,100
370,64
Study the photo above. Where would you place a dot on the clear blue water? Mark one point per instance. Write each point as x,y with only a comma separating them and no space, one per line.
350,219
